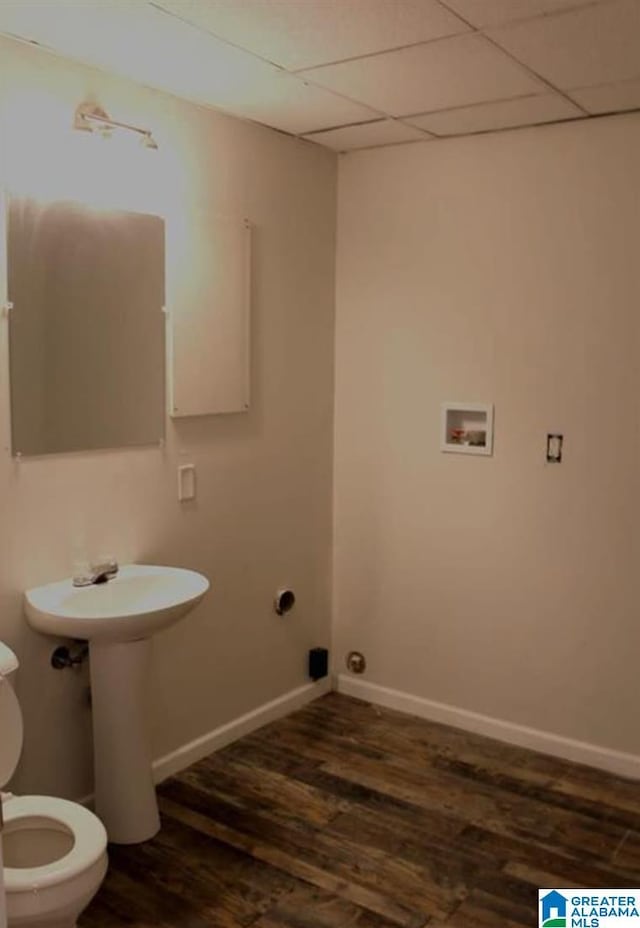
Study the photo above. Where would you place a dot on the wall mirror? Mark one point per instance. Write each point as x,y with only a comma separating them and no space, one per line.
86,326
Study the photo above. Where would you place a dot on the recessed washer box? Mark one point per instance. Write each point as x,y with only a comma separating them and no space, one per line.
467,428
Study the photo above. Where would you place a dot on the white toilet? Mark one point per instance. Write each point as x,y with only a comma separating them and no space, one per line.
54,851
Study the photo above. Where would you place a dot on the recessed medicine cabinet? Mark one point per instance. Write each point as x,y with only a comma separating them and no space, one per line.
467,428
86,292
92,330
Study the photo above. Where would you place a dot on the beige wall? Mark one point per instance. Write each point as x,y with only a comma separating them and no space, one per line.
263,513
504,269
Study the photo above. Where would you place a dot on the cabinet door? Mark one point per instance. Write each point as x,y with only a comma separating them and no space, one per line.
209,309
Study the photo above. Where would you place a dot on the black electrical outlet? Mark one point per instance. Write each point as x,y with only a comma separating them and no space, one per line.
318,663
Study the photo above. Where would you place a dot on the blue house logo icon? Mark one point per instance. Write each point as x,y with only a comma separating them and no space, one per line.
554,910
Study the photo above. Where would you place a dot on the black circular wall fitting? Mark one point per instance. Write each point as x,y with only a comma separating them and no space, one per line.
284,602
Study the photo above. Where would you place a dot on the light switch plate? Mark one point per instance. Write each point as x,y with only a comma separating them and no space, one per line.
186,482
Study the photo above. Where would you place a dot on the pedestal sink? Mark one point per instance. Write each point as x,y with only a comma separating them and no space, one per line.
118,618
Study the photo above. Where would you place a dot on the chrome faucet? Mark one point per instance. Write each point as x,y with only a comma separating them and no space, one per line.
98,572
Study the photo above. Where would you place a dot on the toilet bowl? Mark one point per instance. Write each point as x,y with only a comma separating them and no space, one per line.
54,851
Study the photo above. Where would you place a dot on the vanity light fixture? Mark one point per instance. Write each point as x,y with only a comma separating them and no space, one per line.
89,117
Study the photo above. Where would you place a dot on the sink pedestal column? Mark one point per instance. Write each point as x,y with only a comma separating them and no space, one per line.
125,792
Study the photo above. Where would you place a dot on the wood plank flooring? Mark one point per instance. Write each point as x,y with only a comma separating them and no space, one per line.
345,814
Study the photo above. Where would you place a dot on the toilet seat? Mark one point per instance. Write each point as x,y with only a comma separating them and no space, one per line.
10,726
89,837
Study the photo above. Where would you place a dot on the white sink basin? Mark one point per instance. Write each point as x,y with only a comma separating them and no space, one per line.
138,602
118,619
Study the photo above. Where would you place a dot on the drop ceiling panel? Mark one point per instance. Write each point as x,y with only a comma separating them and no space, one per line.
139,42
383,132
301,34
72,31
593,45
609,98
503,114
491,12
438,75
286,103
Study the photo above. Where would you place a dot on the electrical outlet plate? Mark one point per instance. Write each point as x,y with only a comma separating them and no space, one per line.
554,447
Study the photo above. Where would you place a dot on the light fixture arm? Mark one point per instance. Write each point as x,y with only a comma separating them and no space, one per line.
90,116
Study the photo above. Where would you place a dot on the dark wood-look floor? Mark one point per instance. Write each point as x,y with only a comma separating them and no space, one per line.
344,814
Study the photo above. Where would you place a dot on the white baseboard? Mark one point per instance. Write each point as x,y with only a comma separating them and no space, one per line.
194,751
627,765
